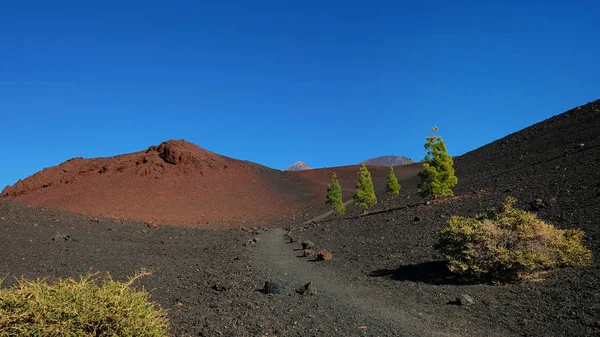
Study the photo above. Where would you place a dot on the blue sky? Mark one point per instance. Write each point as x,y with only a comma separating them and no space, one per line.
327,82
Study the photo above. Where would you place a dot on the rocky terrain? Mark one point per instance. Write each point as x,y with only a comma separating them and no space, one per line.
388,161
384,278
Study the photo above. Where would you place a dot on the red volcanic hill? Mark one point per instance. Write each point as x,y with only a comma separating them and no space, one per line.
175,182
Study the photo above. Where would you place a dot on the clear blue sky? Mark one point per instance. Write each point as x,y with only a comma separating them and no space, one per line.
327,82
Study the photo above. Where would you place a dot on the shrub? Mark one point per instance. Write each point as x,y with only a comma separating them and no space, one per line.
365,194
92,306
437,176
509,245
334,196
393,187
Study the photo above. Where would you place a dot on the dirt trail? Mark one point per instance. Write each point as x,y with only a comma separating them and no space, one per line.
326,214
363,304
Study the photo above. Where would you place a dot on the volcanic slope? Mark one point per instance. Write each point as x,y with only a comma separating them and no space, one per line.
347,176
176,182
551,168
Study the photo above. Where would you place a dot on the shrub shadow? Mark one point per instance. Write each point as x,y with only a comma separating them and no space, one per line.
433,272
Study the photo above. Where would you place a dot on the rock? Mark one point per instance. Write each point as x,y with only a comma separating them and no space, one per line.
257,232
222,286
60,237
308,289
464,299
271,288
249,243
151,224
293,239
309,253
417,218
308,245
324,255
537,204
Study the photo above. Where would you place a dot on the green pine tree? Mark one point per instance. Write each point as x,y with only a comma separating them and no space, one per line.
437,176
334,196
393,187
365,194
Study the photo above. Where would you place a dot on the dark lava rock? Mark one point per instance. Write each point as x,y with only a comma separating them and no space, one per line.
309,253
271,288
308,289
222,286
308,245
464,299
537,204
60,237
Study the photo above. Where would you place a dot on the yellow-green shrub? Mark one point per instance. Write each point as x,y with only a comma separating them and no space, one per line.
508,245
92,306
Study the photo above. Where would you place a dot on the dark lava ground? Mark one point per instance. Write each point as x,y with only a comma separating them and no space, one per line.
385,279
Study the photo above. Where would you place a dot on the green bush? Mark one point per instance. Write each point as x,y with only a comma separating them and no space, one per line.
437,176
392,187
334,196
365,193
92,306
509,245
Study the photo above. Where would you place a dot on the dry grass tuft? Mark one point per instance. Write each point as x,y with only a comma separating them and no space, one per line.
509,245
92,306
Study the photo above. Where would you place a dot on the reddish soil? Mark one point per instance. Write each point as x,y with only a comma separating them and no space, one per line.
176,182
180,183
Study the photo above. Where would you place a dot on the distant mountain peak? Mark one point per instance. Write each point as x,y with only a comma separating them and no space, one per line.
298,166
388,161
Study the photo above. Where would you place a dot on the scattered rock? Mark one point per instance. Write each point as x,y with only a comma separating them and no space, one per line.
60,237
222,286
308,245
537,204
271,288
464,299
310,253
95,220
324,255
308,289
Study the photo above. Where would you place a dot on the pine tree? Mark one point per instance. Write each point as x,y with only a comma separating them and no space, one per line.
393,187
365,194
334,196
437,176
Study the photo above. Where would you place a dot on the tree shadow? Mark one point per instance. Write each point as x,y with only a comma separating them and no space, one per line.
433,272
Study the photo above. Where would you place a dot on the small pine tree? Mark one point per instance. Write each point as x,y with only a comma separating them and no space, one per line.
334,196
393,187
437,176
365,194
